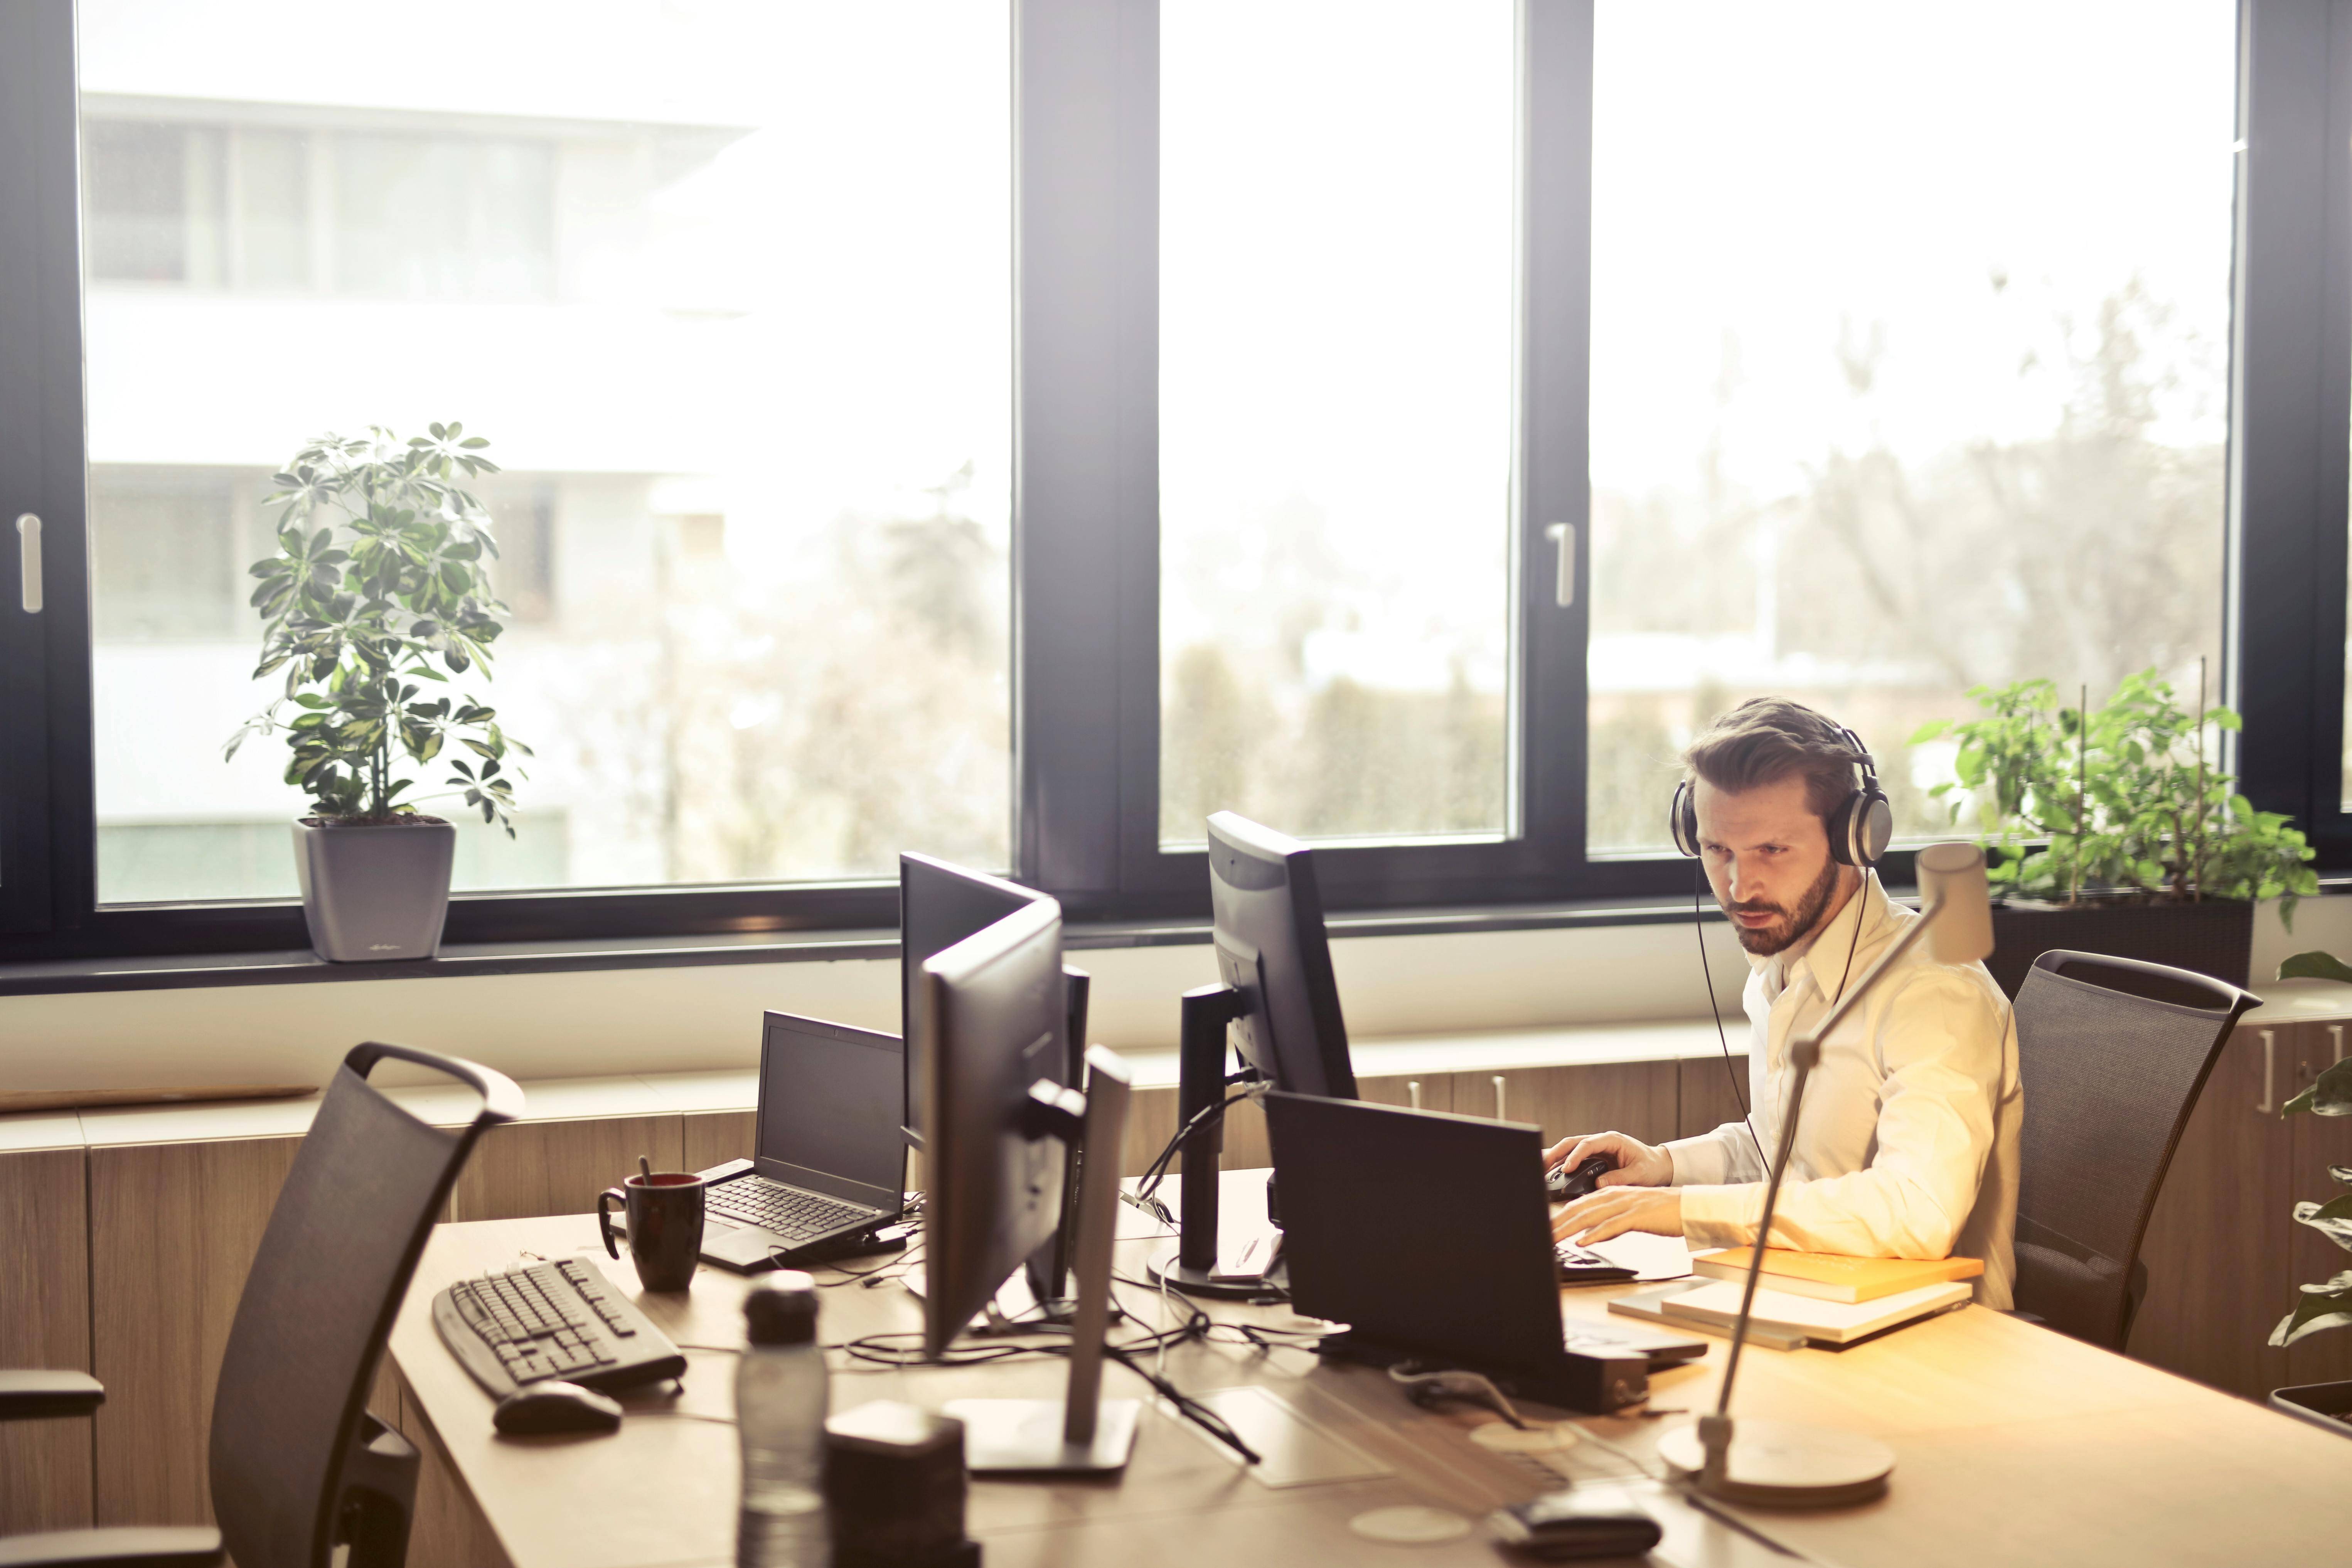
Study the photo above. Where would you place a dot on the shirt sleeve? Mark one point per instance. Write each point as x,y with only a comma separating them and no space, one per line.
1726,1154
1940,1040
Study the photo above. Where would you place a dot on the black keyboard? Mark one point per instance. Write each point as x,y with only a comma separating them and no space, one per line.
787,1211
552,1321
1582,1266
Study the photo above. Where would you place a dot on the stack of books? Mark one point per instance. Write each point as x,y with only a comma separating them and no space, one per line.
1808,1297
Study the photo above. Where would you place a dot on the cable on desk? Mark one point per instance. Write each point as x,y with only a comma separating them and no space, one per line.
1158,1169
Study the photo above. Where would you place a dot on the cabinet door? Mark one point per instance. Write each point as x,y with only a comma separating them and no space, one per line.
2217,1245
1635,1098
2319,1141
45,1466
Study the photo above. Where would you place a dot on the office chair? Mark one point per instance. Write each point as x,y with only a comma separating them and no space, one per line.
2113,1054
298,1468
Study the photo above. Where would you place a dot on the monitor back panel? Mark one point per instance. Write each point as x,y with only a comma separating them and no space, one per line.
1422,1231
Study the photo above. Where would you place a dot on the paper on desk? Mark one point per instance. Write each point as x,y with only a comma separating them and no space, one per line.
1652,1258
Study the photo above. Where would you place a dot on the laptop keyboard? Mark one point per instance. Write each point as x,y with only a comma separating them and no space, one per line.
787,1211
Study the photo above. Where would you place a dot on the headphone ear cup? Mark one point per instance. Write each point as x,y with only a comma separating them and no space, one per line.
1873,827
1840,826
1681,820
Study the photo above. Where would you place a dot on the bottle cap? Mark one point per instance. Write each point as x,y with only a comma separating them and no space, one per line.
783,1312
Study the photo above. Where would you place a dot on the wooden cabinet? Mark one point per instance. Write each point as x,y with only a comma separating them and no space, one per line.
1711,1094
45,1466
1633,1098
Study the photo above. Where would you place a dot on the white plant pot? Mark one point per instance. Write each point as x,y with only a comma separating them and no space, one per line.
374,894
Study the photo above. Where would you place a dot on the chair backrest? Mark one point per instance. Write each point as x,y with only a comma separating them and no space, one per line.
2112,1054
342,1241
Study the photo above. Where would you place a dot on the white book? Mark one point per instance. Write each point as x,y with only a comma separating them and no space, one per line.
1829,1322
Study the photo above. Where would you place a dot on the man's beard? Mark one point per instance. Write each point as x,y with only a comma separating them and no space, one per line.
1766,941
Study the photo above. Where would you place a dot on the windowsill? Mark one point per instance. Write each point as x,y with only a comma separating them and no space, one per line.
458,961
61,976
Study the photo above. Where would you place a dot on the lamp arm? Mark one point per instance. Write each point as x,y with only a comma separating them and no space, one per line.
1805,1054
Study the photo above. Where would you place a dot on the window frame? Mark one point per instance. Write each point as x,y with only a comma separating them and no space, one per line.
1084,556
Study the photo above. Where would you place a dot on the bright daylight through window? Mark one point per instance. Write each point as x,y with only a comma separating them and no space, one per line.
1336,330
726,287
1909,358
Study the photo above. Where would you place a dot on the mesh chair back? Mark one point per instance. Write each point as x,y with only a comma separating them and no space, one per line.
335,1261
2112,1053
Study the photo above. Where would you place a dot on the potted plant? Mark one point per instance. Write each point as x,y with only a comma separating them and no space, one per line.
377,595
2111,830
2326,1305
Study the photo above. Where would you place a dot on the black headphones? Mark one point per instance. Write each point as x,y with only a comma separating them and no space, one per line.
1859,829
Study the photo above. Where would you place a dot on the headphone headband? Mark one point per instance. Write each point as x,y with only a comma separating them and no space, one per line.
1859,829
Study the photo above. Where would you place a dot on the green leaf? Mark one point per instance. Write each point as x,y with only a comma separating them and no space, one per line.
2314,966
2330,1094
2327,1306
2332,1219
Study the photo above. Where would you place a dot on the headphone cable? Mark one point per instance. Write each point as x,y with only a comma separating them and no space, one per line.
1698,925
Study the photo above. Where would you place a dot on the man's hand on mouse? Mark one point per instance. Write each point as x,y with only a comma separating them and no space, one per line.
1634,1197
1638,1165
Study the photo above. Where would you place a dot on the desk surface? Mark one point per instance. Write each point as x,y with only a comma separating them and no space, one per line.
2015,1445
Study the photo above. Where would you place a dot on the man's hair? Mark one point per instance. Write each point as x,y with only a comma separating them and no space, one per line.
1765,739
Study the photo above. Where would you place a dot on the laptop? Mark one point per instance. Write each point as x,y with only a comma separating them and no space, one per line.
1429,1236
827,1163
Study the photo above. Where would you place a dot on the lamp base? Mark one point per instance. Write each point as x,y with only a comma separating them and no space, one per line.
1781,1464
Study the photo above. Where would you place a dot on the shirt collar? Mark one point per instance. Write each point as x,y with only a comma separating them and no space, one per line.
1833,942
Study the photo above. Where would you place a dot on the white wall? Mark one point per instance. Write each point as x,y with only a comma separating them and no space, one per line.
585,1023
652,1020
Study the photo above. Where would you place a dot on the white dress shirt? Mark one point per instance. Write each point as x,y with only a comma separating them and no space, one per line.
1908,1144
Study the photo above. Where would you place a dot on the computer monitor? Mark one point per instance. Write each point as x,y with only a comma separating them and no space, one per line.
997,1124
940,905
988,1025
1279,1007
1267,926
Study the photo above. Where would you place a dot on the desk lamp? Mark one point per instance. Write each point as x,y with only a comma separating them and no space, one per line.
1785,1463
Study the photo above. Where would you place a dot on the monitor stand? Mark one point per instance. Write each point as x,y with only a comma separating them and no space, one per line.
1191,1267
1082,1432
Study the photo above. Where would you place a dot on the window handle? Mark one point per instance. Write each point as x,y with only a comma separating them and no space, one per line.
1564,536
29,557
2268,1104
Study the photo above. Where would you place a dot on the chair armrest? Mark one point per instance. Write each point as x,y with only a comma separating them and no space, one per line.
176,1547
31,1395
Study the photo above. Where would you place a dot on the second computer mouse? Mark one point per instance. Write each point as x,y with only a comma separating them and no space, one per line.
545,1407
1564,1185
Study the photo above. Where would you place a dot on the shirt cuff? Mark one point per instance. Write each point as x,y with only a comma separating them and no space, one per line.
1697,1161
1721,1217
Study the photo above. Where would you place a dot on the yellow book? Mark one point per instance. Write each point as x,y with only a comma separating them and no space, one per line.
1833,1277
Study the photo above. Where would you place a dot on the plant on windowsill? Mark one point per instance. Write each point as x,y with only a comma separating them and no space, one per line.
2328,1304
2112,831
378,593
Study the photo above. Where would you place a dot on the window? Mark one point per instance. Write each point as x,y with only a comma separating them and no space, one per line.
1336,327
743,361
1878,417
1404,422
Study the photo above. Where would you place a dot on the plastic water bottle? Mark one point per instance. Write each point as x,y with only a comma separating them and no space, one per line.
780,1405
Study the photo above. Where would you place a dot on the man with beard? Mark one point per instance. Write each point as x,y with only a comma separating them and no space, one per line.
1907,1146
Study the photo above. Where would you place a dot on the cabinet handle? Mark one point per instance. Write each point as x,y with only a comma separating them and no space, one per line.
1498,1099
1564,536
1413,1088
2268,1106
28,558
2335,1036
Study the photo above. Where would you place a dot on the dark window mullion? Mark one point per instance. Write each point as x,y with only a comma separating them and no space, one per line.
45,816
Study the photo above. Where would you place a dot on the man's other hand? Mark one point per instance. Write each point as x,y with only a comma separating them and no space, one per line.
1638,1165
1614,1212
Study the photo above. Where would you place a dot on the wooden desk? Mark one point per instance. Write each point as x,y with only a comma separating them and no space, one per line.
2015,1446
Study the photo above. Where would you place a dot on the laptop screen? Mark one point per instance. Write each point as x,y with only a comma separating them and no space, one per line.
829,1101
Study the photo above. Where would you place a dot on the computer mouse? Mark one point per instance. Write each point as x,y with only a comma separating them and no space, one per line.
1564,1185
545,1407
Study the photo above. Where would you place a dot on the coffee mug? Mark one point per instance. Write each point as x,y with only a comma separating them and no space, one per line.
664,1217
